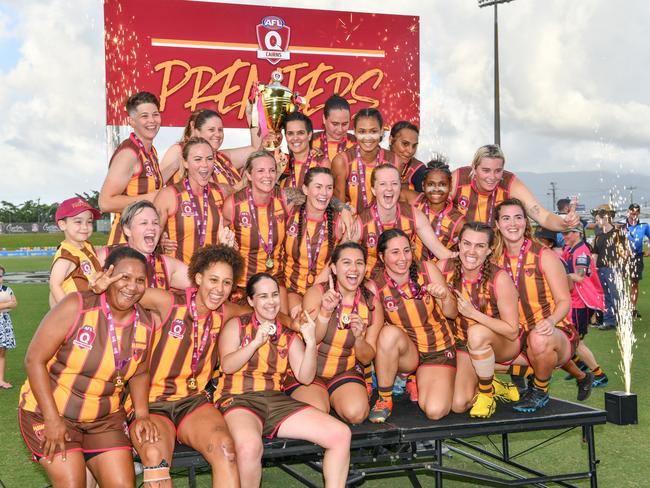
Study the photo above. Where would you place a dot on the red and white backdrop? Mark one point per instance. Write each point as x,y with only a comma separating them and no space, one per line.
208,55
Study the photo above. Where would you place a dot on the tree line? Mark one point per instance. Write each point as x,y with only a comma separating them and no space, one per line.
35,211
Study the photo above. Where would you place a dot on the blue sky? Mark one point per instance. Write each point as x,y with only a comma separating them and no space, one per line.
574,87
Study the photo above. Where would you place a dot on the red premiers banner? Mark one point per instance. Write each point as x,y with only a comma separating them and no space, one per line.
207,55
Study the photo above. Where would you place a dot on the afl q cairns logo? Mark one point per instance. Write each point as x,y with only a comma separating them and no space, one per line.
273,39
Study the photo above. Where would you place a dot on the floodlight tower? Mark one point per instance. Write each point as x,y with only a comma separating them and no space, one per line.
497,117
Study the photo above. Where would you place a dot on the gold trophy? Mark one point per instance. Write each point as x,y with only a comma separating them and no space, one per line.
270,105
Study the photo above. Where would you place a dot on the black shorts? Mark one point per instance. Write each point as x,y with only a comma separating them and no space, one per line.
91,438
636,267
178,410
271,408
580,319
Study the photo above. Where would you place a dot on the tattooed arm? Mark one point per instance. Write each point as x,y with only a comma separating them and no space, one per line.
538,213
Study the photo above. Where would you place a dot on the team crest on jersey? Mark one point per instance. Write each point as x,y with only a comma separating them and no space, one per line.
246,340
372,239
177,330
293,230
86,268
186,209
160,279
283,352
136,353
354,178
529,271
245,219
390,304
39,431
463,202
85,337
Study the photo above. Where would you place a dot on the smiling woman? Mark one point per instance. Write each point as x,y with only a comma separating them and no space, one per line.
67,426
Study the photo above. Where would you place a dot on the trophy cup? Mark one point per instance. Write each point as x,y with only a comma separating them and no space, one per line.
271,104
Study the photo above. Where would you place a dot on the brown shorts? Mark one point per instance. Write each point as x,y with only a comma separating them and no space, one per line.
178,410
354,375
271,408
446,357
523,347
91,438
572,335
461,347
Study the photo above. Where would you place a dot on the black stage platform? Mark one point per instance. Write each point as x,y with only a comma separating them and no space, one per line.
402,444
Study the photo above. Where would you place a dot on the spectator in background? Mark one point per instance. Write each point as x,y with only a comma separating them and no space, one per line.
610,251
7,337
637,232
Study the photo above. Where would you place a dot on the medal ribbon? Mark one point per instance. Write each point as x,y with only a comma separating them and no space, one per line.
155,172
267,246
472,286
303,170
375,216
119,362
197,350
362,172
520,263
415,295
312,257
355,309
151,259
221,166
201,222
325,147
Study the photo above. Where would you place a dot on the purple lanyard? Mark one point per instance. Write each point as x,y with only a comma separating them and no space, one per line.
474,285
362,173
415,295
151,259
267,246
375,216
201,223
221,166
119,363
149,167
306,165
346,318
197,350
324,144
520,263
312,257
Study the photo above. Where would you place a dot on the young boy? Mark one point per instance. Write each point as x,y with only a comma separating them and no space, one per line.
76,258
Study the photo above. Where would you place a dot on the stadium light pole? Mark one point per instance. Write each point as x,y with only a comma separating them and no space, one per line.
497,117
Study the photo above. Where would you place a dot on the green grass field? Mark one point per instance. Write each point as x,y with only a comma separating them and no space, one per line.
46,239
622,450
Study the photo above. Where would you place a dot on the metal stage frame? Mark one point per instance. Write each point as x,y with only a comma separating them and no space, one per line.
409,444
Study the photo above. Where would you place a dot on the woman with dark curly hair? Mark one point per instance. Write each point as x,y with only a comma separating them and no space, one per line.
487,325
183,359
418,338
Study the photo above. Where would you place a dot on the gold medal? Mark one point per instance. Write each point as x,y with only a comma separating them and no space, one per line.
346,319
118,382
310,279
269,263
191,384
272,329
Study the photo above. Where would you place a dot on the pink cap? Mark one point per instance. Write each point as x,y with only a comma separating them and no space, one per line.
74,206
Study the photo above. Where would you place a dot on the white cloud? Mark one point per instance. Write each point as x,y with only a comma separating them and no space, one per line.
574,84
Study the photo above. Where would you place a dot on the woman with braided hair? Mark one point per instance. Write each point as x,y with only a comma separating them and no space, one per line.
348,323
418,337
435,203
313,230
487,325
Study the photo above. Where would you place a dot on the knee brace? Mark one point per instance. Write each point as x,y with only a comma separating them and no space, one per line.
483,361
